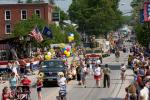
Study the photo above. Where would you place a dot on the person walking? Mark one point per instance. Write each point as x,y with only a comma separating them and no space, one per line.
78,70
62,84
97,75
84,72
39,88
106,72
117,55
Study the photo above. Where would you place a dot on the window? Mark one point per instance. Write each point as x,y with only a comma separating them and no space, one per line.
37,12
23,14
7,29
7,15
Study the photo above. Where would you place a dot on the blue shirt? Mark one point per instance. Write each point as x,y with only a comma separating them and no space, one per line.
13,81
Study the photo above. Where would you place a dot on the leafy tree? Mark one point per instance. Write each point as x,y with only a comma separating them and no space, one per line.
95,16
141,29
142,34
24,27
51,1
29,1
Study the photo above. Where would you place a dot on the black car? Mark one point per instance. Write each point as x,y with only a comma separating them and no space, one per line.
50,69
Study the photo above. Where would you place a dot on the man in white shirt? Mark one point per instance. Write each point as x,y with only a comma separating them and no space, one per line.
144,93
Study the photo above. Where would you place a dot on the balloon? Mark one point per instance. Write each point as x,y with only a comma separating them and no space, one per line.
65,52
68,49
49,53
68,54
72,35
70,38
64,49
47,57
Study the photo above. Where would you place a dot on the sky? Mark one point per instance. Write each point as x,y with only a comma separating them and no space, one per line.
124,5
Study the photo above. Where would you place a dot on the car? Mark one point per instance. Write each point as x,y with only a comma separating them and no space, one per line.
49,70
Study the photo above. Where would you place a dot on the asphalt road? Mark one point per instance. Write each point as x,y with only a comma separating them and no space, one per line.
75,92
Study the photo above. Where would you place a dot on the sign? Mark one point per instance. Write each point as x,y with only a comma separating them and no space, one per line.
56,16
147,11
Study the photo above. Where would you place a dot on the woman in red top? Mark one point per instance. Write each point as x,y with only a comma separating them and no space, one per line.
39,88
6,95
25,81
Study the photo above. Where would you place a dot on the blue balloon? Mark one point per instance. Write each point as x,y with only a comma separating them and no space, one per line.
64,49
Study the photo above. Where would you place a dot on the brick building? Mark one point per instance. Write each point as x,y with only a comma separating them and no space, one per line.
10,14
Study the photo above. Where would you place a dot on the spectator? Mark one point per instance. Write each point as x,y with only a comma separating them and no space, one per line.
106,72
39,88
15,67
144,93
26,81
6,94
13,81
97,75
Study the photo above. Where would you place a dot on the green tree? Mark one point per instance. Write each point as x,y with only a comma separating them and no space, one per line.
29,1
95,16
142,34
24,27
141,29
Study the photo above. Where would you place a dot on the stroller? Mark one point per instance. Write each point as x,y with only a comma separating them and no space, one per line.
23,93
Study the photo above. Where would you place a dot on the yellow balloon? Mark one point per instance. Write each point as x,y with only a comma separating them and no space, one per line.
47,57
65,52
68,54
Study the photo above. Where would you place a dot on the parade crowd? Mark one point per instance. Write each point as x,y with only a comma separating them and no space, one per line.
139,62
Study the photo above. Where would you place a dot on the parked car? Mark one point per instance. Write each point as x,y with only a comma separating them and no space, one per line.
50,69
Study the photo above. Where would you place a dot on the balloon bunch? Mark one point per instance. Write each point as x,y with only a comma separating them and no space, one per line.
48,56
70,37
66,51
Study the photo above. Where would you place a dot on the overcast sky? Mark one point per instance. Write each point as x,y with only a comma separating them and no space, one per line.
124,5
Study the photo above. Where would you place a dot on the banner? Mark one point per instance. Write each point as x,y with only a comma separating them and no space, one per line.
146,11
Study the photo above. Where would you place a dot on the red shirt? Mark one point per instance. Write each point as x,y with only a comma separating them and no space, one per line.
26,82
5,96
39,84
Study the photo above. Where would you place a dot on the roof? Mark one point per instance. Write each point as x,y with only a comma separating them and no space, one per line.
24,4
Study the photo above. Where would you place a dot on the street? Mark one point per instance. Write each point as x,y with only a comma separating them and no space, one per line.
75,92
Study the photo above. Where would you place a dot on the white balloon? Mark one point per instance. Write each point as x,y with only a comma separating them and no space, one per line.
49,53
71,34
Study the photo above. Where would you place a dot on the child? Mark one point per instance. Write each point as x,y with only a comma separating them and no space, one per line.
39,88
6,95
62,84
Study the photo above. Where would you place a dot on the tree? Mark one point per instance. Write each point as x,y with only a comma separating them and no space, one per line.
142,34
29,1
51,2
24,27
141,29
95,16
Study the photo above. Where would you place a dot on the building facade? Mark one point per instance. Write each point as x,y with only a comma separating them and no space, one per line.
10,14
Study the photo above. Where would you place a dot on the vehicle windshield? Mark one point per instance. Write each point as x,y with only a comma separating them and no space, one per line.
52,64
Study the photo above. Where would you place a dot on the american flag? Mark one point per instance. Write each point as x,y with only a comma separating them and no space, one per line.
35,33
